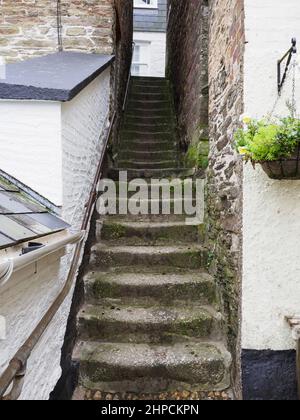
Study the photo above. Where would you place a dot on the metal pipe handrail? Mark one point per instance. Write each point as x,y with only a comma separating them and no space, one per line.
16,370
128,80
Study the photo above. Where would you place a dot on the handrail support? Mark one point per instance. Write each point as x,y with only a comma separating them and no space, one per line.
294,323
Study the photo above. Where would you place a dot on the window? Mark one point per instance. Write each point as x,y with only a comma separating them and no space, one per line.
145,4
141,59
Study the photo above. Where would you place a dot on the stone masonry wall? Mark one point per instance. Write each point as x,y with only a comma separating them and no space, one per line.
29,28
224,190
123,38
187,69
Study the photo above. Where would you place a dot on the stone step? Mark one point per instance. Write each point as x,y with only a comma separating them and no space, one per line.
190,257
138,145
136,233
149,119
148,95
165,112
152,88
146,164
153,190
180,206
154,173
149,81
146,368
147,218
134,321
147,156
144,136
149,105
164,284
151,127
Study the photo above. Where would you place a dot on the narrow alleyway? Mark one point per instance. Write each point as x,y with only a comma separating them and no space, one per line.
150,326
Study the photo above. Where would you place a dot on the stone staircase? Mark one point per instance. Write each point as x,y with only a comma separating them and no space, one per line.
150,323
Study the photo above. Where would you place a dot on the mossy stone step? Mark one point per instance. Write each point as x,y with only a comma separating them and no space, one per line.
164,284
157,206
149,174
137,95
147,156
146,368
140,233
146,165
135,80
131,321
105,255
162,127
154,112
155,106
139,145
144,136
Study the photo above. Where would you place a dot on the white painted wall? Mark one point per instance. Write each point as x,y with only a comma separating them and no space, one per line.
83,123
26,298
30,144
157,52
271,279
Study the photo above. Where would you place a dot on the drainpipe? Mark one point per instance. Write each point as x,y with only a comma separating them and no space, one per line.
294,322
13,265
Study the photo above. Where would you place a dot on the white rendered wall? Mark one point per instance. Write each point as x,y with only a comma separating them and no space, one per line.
157,54
30,144
271,279
83,125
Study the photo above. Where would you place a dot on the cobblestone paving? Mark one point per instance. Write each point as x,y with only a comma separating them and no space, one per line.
94,395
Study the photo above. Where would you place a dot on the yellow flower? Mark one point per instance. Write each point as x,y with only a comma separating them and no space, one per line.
247,120
243,151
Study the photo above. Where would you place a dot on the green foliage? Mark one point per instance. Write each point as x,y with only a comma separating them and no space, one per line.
197,155
262,141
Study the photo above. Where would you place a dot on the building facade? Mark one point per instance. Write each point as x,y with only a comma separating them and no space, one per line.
251,221
67,71
150,21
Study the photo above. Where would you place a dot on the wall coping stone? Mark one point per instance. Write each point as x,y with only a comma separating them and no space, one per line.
54,77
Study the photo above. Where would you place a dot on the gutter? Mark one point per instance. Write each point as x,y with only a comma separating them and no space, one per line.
14,265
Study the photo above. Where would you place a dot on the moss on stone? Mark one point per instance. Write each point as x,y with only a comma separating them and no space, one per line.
113,231
197,154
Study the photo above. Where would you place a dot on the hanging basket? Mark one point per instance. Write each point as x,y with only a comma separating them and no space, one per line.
288,168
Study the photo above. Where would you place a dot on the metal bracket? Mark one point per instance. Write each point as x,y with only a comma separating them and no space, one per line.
294,323
288,55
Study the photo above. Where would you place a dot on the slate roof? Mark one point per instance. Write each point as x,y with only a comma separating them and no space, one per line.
151,20
22,219
53,77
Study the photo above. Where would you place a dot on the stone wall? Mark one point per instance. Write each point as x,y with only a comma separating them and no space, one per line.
29,28
123,38
187,41
224,189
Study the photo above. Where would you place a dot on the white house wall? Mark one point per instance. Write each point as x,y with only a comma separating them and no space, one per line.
23,301
271,278
82,123
30,143
157,52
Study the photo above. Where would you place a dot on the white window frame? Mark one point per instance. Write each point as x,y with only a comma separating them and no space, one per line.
140,4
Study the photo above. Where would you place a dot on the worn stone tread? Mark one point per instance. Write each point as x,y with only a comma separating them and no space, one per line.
163,284
189,256
140,321
132,367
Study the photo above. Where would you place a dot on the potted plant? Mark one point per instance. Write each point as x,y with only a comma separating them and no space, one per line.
275,145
